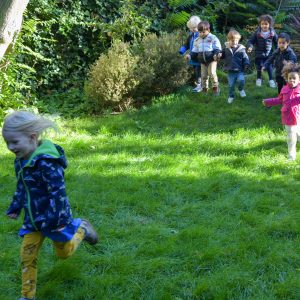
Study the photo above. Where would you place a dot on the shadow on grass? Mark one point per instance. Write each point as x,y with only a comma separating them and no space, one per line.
186,114
170,235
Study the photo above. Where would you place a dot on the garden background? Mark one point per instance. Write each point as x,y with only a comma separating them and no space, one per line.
193,198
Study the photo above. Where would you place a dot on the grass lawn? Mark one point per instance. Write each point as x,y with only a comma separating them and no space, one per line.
193,199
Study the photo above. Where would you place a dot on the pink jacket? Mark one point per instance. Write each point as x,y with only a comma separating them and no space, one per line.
289,98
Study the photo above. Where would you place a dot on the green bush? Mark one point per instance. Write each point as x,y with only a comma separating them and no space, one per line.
112,79
134,74
161,68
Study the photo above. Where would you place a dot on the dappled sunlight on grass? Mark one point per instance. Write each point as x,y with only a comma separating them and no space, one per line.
193,199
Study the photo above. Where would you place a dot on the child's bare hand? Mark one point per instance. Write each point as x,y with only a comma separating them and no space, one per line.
249,50
13,216
187,57
264,103
216,56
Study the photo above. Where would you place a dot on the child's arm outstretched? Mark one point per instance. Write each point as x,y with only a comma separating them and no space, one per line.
273,101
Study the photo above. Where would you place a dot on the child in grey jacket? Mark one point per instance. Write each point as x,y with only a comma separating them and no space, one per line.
206,46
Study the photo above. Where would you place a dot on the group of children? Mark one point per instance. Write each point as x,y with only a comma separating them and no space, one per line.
40,164
205,51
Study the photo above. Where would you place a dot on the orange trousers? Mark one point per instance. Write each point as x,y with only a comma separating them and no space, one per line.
31,245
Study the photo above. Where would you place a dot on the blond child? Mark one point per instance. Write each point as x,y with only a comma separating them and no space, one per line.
235,62
187,47
39,166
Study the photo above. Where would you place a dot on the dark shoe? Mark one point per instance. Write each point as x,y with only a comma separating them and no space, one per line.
90,235
205,90
216,91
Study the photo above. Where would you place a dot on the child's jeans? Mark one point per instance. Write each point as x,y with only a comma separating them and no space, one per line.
259,62
209,71
293,134
31,245
197,73
234,77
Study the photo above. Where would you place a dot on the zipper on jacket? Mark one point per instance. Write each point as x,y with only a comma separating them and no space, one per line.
28,197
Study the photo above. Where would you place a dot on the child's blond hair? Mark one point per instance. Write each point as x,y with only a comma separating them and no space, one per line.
232,34
26,122
193,22
290,67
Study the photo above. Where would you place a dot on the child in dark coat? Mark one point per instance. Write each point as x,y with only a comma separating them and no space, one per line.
40,192
283,54
263,39
235,62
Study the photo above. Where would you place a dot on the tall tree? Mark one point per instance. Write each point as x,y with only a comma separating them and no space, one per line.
11,16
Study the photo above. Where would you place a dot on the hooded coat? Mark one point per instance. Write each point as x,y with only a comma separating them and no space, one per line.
263,45
278,58
41,189
235,60
289,98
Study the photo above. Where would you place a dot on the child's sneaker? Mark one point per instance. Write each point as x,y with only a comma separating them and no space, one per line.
272,84
258,82
216,91
198,88
90,236
242,93
230,100
26,298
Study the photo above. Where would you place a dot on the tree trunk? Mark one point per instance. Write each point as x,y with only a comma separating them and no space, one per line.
11,16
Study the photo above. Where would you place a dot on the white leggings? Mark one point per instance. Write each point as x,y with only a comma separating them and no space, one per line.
293,134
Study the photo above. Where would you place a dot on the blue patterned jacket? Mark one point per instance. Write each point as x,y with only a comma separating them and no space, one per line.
41,189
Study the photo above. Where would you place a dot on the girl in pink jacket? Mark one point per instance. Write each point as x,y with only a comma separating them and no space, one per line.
289,98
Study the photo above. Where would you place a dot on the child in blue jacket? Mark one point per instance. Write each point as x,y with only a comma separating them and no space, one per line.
263,39
235,62
39,167
192,24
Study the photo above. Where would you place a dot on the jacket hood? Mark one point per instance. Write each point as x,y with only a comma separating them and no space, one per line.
271,30
239,46
47,150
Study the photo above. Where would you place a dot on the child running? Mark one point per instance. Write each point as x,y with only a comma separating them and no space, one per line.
206,46
283,54
289,98
192,24
40,191
263,39
235,62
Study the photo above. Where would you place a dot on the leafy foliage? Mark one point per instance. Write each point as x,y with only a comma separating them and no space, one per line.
221,14
161,69
112,78
136,73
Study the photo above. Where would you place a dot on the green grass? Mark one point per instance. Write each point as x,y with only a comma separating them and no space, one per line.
193,199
